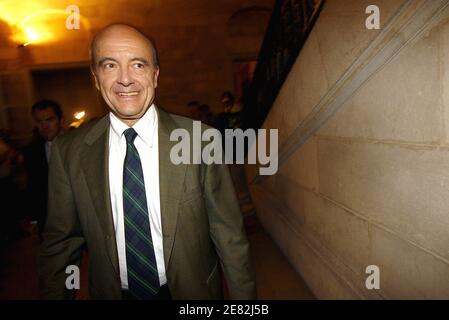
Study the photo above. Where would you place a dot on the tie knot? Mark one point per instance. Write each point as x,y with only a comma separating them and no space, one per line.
130,135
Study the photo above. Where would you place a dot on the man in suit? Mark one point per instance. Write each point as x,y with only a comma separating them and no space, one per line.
153,229
47,115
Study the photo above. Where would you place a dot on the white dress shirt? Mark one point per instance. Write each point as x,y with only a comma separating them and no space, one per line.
147,145
48,150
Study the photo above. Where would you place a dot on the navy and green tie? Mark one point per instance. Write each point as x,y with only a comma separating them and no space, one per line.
143,278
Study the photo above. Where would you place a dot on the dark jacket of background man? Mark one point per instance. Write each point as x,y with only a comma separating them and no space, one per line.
47,115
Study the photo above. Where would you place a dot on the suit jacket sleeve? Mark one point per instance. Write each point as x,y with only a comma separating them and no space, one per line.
63,239
228,233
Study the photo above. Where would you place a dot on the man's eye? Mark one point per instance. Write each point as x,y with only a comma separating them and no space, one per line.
139,65
109,66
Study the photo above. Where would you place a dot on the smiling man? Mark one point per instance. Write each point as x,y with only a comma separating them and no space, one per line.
154,230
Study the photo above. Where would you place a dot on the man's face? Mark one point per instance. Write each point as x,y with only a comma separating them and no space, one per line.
125,74
227,103
48,123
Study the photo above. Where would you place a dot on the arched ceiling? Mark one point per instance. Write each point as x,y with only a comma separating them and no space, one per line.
43,21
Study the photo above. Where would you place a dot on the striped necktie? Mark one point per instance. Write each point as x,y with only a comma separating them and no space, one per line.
143,277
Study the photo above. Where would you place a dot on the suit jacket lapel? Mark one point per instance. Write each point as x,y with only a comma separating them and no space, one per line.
171,182
95,161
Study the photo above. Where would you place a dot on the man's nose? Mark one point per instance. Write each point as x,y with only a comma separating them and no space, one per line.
125,78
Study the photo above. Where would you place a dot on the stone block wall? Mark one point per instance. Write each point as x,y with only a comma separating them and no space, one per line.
363,176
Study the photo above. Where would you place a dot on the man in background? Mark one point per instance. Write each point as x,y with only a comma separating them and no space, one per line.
48,117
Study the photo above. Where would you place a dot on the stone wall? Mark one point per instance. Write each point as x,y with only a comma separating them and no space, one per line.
364,156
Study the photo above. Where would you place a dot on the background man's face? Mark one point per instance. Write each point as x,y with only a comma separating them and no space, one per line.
48,123
227,103
125,74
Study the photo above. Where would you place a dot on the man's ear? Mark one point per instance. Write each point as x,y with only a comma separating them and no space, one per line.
97,85
156,77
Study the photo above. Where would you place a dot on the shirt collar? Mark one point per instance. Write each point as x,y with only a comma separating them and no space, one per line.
145,126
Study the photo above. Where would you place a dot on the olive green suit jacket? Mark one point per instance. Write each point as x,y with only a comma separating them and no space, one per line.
202,225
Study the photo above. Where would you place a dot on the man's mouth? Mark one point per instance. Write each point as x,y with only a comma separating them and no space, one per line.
128,94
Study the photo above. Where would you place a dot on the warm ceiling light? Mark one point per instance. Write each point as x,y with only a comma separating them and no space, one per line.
80,115
32,34
29,21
